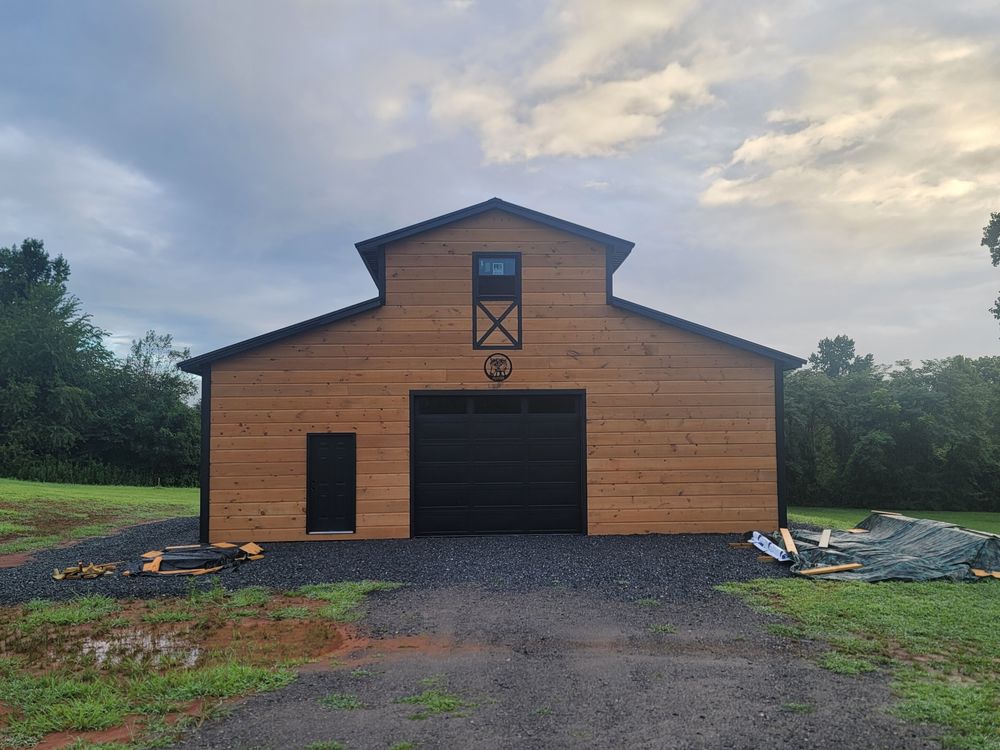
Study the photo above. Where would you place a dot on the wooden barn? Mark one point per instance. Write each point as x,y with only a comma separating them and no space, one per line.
494,385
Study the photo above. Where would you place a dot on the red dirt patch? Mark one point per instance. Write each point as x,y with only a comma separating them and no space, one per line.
12,561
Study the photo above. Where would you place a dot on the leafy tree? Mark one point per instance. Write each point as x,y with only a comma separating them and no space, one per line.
49,354
69,409
901,437
991,240
835,357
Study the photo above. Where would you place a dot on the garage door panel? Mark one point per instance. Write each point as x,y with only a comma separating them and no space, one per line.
441,428
553,427
437,472
492,464
495,494
551,471
497,450
554,450
493,428
454,451
558,519
446,521
552,493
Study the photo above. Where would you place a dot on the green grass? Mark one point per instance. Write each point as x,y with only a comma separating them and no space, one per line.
341,701
844,664
798,708
662,629
61,703
36,515
938,640
73,612
403,746
56,685
344,600
251,596
648,602
168,615
326,745
848,518
434,700
291,613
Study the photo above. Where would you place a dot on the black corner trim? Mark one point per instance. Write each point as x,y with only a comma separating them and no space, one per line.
205,474
618,249
788,361
779,443
197,364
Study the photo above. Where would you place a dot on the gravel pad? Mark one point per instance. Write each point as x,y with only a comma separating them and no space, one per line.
669,567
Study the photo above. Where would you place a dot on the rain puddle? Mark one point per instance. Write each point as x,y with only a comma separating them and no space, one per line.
158,648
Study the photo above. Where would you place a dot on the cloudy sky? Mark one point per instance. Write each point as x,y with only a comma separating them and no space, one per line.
787,170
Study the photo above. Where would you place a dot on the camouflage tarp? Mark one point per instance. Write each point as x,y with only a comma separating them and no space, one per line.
900,548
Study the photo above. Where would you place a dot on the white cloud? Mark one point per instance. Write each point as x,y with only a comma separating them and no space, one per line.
881,130
599,119
597,35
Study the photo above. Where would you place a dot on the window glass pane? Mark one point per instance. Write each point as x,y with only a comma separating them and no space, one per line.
552,404
497,405
496,266
441,405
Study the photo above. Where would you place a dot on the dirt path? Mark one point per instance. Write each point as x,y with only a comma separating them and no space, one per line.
555,668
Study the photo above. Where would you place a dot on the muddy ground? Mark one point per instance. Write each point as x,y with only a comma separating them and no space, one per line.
559,668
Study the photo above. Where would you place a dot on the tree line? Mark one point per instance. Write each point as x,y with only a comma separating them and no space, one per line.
859,434
72,411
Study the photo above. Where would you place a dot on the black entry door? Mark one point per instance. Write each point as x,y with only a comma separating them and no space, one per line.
498,463
331,481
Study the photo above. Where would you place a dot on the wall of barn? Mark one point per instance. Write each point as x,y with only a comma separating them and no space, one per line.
680,428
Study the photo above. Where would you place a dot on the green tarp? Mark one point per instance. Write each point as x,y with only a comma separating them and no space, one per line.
900,548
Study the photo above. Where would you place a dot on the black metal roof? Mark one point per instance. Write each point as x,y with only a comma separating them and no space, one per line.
371,252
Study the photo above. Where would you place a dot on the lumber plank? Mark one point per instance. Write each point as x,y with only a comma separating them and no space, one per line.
830,569
790,547
824,539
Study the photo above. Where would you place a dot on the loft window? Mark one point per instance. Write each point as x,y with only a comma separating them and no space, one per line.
496,300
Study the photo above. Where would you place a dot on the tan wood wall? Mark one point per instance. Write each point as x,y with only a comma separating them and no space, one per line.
680,428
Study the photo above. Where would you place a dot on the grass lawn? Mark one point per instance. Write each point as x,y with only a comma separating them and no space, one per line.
937,640
135,674
846,518
35,515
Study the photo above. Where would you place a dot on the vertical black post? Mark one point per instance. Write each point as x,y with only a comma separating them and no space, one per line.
779,443
206,444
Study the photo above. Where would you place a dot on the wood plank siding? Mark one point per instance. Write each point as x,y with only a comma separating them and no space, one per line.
680,428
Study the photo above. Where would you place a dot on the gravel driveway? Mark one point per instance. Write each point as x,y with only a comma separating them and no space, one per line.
542,636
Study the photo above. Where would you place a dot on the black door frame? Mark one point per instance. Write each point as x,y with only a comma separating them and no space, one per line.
474,392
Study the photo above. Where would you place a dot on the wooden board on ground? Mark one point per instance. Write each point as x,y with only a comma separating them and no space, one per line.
790,547
830,569
824,539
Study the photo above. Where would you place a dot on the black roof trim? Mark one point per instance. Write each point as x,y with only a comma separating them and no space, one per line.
787,361
195,364
618,248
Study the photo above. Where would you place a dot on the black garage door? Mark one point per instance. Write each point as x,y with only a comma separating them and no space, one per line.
498,463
